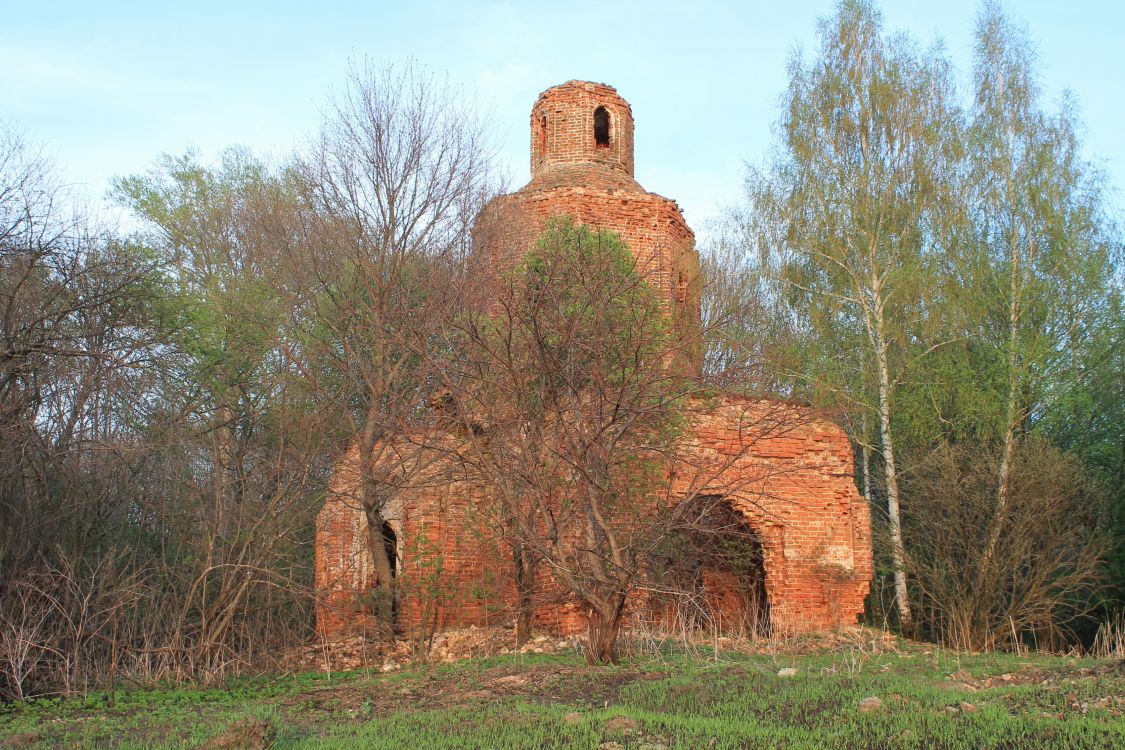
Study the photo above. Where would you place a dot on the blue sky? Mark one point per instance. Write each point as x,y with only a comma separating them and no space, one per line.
106,87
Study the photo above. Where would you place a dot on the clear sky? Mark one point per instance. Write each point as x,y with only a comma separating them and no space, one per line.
106,87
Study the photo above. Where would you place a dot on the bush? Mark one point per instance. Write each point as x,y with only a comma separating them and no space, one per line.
1046,563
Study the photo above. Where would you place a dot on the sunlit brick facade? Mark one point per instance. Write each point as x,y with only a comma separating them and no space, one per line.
793,485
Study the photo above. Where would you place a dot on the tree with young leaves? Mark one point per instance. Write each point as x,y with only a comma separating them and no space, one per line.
576,416
1040,221
234,417
1046,270
571,410
848,220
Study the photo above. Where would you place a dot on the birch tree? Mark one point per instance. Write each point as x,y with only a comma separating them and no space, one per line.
1041,224
848,217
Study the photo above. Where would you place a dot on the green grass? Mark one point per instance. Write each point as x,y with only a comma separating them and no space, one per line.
677,701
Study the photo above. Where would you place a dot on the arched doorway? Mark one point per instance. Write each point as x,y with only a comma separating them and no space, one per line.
717,564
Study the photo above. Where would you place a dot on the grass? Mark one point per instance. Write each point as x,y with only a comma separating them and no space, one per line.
672,700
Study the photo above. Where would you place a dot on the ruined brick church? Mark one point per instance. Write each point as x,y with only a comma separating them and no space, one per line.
805,512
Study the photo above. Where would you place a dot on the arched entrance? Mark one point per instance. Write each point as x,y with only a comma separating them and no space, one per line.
717,566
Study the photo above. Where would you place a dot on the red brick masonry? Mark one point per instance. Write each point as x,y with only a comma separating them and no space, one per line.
794,485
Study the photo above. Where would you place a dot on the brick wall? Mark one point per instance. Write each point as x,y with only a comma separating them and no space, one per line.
788,472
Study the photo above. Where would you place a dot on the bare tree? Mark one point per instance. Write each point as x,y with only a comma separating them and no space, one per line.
391,189
73,344
751,335
1039,568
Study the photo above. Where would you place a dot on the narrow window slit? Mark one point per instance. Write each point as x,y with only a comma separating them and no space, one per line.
601,127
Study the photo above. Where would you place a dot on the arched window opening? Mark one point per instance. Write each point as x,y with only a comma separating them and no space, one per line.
542,135
390,543
601,127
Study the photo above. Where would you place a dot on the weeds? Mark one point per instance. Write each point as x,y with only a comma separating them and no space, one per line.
1109,643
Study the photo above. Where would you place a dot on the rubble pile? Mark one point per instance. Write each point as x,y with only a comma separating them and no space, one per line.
356,652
